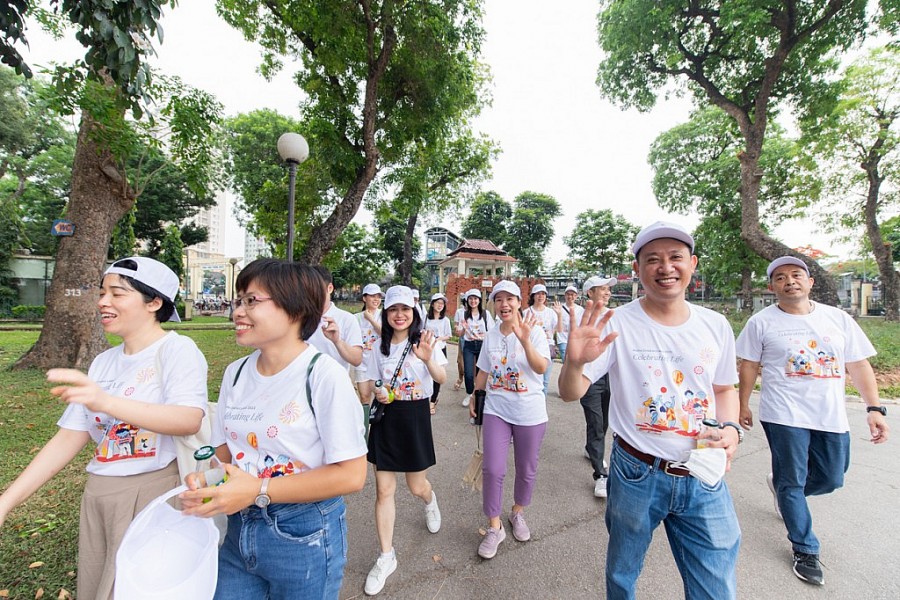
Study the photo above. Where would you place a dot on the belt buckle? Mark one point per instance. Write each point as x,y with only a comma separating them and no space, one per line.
666,470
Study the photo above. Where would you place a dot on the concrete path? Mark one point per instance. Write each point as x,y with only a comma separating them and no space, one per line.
858,526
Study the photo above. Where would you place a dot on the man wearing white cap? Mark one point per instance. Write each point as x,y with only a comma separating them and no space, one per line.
804,348
563,312
671,365
595,401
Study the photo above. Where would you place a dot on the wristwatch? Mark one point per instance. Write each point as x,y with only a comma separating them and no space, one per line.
881,409
263,499
737,428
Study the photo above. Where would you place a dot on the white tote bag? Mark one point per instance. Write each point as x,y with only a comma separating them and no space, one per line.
166,554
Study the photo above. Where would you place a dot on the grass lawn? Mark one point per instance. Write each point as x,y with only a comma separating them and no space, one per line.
38,541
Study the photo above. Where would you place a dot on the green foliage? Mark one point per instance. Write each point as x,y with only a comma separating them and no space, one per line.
390,228
357,258
124,242
28,312
531,230
601,242
890,232
172,250
488,219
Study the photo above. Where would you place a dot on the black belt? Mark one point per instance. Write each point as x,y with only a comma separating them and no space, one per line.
666,466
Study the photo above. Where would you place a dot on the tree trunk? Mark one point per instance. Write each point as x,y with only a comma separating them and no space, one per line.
747,290
406,265
100,196
890,279
825,288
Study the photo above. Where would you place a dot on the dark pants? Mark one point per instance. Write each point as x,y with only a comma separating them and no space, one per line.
436,388
595,403
470,356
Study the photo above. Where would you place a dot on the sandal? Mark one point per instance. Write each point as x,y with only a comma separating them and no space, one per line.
457,385
433,407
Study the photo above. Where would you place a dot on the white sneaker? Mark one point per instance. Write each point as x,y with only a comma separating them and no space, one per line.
375,580
600,487
465,401
770,479
433,514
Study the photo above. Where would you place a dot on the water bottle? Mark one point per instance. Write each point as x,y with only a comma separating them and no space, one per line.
211,472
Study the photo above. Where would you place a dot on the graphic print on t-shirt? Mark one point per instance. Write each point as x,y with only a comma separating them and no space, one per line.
123,440
674,401
810,357
408,386
504,372
248,425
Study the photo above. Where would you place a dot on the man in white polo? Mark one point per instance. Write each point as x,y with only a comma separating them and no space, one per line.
339,335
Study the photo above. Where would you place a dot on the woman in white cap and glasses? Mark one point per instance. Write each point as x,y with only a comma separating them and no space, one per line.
437,323
512,363
370,326
546,319
135,397
472,328
401,441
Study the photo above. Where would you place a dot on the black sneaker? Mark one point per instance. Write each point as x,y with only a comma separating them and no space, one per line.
808,568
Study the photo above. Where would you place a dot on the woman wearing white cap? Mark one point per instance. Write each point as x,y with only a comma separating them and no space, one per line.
438,324
513,360
546,319
564,314
475,324
458,318
401,441
370,325
134,399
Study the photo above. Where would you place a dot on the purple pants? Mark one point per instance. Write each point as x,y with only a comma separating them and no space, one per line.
496,434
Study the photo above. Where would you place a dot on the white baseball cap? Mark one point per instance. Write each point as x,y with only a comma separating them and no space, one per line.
415,293
509,287
399,294
372,289
785,260
539,288
595,281
151,273
472,292
660,230
572,288
438,296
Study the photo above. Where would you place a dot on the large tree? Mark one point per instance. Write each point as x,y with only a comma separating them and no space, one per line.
601,242
857,147
488,219
747,58
112,77
531,230
356,259
695,172
379,77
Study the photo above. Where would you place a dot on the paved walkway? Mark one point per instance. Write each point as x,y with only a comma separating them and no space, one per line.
858,526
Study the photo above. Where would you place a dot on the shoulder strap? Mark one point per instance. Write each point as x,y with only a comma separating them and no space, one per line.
240,368
308,386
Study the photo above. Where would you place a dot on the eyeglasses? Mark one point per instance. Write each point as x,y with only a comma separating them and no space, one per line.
249,301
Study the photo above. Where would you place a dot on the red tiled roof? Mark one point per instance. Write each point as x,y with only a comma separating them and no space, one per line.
478,247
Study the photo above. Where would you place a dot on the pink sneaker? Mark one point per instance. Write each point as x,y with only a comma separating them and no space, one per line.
519,526
492,539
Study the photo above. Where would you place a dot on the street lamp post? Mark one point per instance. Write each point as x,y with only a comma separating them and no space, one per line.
233,262
293,150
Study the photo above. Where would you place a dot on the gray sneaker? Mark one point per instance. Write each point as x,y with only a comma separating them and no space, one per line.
492,539
519,526
600,486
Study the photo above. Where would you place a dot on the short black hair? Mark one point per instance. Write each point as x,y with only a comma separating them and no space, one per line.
165,311
295,288
324,273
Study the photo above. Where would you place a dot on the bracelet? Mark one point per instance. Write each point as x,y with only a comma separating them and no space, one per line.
737,428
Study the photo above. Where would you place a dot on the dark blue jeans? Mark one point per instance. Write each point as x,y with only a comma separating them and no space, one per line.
805,462
470,356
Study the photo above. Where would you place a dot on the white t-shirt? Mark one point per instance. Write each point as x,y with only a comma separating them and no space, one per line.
475,329
349,333
563,336
269,427
661,378
803,359
414,382
515,393
546,320
370,340
440,328
172,371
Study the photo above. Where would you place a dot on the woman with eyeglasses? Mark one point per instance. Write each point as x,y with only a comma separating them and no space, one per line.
401,441
289,434
472,328
135,397
511,365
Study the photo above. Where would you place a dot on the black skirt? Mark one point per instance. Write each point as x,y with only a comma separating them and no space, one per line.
402,441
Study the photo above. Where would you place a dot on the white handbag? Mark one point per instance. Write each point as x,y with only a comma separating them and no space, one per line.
166,554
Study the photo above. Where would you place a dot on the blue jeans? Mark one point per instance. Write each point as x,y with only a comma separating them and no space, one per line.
562,350
471,350
284,551
700,523
805,462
